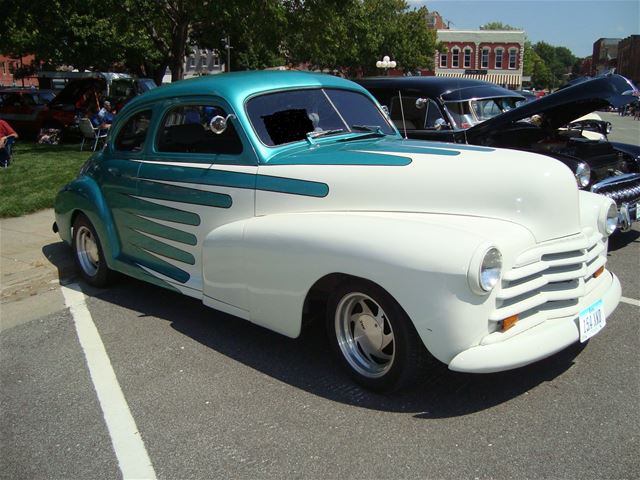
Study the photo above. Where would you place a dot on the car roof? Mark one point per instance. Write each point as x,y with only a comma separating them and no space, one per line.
235,87
453,88
24,90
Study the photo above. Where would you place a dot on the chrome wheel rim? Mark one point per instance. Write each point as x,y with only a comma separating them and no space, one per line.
364,335
87,251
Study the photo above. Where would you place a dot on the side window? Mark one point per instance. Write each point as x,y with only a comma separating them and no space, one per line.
433,115
413,117
185,129
132,136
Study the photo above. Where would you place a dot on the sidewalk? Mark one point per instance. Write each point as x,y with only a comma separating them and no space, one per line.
33,259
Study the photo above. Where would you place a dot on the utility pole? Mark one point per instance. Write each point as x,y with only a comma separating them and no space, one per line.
228,47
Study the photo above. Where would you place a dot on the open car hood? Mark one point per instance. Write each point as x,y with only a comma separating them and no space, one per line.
75,89
563,106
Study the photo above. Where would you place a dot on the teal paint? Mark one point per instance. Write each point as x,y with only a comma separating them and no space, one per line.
149,209
343,158
207,176
159,230
140,240
135,271
292,186
163,191
158,265
451,146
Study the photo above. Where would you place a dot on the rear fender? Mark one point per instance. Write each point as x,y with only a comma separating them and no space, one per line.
83,195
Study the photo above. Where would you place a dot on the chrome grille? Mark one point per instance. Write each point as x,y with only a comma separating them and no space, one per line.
550,277
621,189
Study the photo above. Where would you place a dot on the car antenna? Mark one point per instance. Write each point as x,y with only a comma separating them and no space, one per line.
404,125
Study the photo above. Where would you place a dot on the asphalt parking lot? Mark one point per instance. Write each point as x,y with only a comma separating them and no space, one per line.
213,396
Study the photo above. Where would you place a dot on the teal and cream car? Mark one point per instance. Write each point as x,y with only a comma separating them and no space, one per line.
278,196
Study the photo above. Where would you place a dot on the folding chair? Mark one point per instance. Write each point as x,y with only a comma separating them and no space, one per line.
91,133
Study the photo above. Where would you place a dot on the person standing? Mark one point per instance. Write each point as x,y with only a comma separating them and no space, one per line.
7,136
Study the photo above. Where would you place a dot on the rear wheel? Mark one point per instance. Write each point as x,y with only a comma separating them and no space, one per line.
88,253
373,337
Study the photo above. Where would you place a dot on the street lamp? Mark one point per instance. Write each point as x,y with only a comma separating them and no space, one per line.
386,63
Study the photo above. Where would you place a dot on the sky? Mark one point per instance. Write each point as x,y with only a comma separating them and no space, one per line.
575,24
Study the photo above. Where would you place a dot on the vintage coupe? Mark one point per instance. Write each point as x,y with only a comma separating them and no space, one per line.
277,195
481,113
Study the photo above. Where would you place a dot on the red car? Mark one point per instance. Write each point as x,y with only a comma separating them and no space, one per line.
25,109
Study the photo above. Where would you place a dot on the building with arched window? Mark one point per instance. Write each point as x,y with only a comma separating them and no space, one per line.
492,55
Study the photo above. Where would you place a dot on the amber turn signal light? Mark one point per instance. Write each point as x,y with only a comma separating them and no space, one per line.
509,322
598,272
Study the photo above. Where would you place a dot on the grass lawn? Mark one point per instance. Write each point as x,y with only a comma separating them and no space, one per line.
36,174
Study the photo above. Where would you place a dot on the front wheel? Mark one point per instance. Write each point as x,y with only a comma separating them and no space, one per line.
88,253
373,337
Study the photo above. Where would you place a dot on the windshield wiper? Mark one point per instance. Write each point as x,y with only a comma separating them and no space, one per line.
322,133
368,128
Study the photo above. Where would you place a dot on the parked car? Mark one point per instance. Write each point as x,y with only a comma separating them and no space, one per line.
528,96
276,196
481,113
24,108
86,93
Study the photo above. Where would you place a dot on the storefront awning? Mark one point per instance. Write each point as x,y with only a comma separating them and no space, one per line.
512,81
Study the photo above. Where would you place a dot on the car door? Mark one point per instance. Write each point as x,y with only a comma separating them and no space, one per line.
196,181
117,176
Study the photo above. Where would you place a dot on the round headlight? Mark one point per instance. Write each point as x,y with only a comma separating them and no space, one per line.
612,219
583,174
608,221
490,269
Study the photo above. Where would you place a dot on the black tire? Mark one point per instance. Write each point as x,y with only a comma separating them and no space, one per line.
88,254
361,317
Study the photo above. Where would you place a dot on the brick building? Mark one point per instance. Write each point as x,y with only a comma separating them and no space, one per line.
605,55
435,21
492,55
629,58
8,65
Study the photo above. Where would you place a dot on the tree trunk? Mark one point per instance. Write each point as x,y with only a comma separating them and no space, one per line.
178,47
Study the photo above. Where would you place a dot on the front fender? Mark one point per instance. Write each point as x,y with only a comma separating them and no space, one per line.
84,195
632,150
421,260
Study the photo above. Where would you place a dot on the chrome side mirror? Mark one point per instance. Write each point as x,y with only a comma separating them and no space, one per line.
420,103
218,124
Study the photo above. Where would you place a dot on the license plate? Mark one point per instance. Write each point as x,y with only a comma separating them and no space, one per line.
591,320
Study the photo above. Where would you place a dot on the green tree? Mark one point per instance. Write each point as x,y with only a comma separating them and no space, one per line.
350,36
498,26
536,68
559,60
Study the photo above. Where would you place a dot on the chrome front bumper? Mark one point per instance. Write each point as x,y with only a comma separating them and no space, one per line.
625,191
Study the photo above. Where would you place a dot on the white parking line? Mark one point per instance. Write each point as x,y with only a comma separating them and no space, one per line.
132,456
630,301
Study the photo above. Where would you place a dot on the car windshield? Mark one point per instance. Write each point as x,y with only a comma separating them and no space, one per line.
288,116
471,112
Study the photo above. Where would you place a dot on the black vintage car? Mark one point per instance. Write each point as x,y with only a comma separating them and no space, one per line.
481,113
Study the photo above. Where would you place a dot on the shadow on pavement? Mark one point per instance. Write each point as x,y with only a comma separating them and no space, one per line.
61,257
306,362
621,239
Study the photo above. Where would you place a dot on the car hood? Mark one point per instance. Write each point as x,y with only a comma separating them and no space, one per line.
75,89
395,175
563,106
